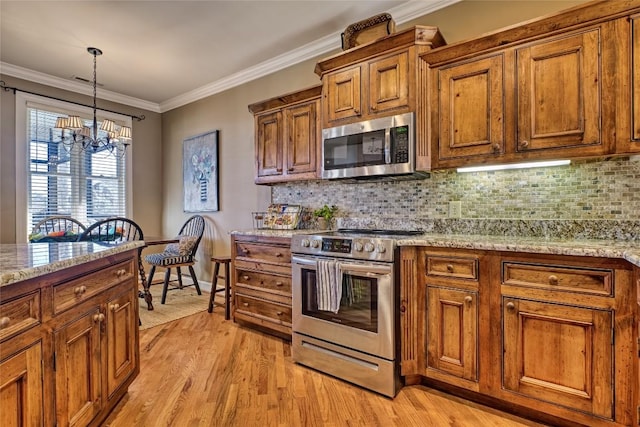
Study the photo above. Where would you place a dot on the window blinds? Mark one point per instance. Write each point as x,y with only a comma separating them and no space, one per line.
87,185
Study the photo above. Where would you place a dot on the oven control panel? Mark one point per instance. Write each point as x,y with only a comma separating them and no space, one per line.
380,249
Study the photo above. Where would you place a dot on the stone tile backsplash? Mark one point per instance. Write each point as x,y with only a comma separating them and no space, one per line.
588,198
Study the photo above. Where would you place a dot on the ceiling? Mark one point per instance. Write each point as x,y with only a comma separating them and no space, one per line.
159,55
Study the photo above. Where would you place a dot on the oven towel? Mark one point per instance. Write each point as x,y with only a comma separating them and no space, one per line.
329,286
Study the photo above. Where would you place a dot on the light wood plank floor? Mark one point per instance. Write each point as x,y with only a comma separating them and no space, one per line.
205,371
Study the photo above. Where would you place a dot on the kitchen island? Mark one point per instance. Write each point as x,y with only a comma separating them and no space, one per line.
68,331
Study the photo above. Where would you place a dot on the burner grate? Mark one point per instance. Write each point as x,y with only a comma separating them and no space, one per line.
379,232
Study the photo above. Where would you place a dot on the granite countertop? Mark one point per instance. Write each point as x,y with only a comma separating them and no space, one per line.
23,261
268,232
628,250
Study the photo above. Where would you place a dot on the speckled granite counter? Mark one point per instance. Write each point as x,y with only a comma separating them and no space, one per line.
27,260
274,233
628,250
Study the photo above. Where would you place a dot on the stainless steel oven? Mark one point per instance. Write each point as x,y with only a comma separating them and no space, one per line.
347,327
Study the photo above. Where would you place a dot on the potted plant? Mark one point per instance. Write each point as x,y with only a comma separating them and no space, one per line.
324,215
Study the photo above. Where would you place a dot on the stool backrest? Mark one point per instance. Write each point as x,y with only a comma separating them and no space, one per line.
112,231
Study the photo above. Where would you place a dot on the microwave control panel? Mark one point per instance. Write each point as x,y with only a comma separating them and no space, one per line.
400,138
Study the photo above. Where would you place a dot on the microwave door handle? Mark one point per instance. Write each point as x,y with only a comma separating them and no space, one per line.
387,146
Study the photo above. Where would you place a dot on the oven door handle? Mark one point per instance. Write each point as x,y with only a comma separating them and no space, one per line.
303,261
369,270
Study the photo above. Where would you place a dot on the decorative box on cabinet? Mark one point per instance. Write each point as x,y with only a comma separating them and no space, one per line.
71,335
380,79
261,282
555,338
549,89
287,136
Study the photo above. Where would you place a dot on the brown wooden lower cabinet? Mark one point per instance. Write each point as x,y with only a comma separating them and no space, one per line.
69,343
554,338
261,282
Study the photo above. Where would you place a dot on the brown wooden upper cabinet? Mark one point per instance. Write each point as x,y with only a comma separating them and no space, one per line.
287,136
375,79
555,88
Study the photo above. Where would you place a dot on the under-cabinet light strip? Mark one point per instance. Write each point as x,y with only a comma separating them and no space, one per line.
515,166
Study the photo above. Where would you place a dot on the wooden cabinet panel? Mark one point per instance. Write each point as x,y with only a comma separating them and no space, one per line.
269,144
267,282
389,83
452,267
635,76
558,92
78,370
264,252
301,128
121,331
270,311
21,388
471,108
19,314
343,94
559,354
452,322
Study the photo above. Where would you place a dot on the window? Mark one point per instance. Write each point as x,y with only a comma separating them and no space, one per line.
60,179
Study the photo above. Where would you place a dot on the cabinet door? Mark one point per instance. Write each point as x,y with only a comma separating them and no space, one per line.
121,323
452,332
389,83
343,94
471,109
269,144
558,93
635,65
21,388
559,354
300,138
78,374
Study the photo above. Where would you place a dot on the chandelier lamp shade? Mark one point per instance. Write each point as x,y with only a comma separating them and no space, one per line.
115,138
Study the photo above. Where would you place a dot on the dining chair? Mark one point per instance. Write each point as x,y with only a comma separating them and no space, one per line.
57,229
180,254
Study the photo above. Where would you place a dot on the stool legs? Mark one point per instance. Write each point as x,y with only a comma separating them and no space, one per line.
227,285
214,282
227,291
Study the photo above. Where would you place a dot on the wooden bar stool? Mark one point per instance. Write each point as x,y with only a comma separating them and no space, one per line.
226,260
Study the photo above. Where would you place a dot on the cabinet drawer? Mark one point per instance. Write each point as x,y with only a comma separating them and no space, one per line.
267,310
454,267
563,278
265,253
265,281
19,314
76,291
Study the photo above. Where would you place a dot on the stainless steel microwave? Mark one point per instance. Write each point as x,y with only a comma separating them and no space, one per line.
378,147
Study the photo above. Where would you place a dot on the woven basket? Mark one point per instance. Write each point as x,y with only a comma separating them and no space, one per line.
368,30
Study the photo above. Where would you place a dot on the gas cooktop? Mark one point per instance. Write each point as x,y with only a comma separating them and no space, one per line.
378,232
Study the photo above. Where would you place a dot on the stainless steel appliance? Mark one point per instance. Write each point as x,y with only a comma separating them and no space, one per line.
373,148
355,339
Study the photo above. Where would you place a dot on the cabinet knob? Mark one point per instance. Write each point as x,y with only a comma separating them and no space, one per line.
79,290
121,272
553,280
511,306
279,313
468,299
373,108
278,255
290,170
524,144
496,147
97,318
450,268
278,169
403,308
355,110
246,304
114,307
4,322
245,277
279,283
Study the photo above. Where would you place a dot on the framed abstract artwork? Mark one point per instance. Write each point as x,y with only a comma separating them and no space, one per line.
200,172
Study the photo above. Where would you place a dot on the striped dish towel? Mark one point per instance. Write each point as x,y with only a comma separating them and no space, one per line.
329,285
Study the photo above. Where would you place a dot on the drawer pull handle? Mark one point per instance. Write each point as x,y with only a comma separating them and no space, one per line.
79,290
279,313
450,268
278,255
246,304
98,317
279,283
468,299
4,322
121,272
511,306
553,280
115,307
524,144
245,277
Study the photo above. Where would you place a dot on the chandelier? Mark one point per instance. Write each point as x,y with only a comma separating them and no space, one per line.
117,139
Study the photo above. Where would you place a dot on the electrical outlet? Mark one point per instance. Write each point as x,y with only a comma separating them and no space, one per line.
455,209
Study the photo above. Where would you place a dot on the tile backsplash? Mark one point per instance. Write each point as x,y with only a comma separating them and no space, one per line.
606,191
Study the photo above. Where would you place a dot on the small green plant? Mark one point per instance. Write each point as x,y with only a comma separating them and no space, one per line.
325,212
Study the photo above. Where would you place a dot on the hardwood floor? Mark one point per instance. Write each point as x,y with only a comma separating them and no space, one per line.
204,371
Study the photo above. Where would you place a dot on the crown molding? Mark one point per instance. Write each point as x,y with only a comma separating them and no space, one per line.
403,13
72,86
